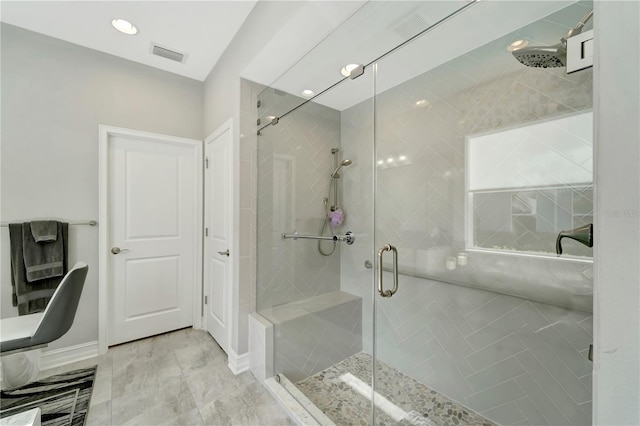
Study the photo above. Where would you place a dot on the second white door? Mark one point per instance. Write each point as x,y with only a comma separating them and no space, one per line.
154,230
218,245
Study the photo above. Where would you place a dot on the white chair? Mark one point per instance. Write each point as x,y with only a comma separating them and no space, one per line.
28,332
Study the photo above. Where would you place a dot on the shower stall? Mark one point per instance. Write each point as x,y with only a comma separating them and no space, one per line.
407,216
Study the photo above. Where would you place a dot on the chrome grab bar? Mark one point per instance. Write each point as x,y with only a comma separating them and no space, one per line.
348,238
388,293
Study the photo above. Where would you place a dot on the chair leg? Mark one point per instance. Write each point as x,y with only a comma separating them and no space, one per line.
20,368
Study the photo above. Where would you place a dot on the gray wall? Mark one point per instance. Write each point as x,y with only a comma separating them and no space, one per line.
222,86
227,96
54,96
617,227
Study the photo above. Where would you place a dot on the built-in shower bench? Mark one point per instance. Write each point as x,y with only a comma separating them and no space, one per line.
312,305
308,335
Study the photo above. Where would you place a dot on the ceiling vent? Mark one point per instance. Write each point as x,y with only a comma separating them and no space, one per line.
410,27
158,50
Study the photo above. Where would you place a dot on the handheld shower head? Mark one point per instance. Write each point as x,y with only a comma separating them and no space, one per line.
344,163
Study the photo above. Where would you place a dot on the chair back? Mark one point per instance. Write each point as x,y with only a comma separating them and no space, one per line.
61,309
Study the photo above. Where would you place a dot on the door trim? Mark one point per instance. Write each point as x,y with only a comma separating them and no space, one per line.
233,296
103,219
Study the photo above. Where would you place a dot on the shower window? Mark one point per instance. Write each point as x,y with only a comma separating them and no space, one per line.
528,221
526,184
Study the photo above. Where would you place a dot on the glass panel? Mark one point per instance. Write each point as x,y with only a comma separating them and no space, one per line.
374,28
311,175
483,329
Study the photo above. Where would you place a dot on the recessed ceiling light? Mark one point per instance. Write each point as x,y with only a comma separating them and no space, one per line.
124,26
308,93
346,70
518,44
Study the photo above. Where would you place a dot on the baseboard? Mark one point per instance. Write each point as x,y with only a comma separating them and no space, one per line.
59,357
238,363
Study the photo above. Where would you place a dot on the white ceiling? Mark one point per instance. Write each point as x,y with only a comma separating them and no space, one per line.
330,33
200,29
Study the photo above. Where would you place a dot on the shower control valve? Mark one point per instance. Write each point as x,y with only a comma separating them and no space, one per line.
348,238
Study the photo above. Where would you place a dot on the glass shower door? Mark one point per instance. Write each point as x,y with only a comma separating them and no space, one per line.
480,162
464,165
314,185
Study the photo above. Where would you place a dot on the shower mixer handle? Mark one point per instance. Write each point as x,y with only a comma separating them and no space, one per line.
348,238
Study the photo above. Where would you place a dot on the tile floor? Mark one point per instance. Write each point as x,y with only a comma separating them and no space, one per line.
177,378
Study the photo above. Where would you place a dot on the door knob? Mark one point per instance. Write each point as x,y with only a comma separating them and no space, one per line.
118,250
224,253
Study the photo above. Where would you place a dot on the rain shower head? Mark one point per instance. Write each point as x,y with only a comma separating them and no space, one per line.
550,56
542,56
343,164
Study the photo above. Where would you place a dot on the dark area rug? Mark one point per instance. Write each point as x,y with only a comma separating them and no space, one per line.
63,399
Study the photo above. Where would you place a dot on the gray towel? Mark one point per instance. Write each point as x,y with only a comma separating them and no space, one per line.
44,231
33,297
42,260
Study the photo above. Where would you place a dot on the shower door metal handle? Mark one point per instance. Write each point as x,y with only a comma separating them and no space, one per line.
381,290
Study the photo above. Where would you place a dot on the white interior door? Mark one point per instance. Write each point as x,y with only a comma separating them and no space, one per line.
153,190
218,250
